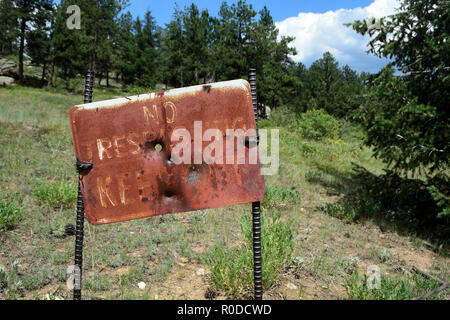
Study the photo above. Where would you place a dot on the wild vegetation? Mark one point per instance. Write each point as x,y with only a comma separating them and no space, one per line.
363,178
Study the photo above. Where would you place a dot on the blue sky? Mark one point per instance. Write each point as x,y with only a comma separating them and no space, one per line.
317,25
280,9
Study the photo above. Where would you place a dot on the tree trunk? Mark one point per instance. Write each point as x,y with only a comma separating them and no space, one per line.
107,77
21,48
3,48
44,67
52,72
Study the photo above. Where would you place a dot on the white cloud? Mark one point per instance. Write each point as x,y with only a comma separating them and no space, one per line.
316,33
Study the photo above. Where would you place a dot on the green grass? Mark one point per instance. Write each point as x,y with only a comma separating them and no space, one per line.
232,268
10,215
57,194
278,196
403,287
10,281
41,107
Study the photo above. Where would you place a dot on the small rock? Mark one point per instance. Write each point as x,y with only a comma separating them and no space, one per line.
184,260
141,285
200,272
69,229
291,286
7,67
299,261
210,293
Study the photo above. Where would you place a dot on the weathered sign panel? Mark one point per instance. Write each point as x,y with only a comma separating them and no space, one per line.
172,151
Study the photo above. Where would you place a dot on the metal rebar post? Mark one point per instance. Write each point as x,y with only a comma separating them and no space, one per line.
256,208
88,87
79,233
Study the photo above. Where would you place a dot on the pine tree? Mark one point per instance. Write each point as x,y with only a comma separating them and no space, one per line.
126,48
91,46
232,30
197,31
25,11
8,28
406,116
146,36
324,84
38,44
174,46
276,80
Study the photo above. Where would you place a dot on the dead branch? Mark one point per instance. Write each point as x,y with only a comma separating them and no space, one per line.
415,269
442,285
437,290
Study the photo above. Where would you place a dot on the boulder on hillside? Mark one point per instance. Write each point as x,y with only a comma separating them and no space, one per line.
6,81
7,67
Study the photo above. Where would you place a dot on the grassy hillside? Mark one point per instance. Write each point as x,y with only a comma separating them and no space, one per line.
318,240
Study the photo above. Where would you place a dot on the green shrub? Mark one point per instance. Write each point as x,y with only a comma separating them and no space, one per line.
232,269
283,116
75,85
10,215
10,281
278,196
318,124
439,189
341,211
56,194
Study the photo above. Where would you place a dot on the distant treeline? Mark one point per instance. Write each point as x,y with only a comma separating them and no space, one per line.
193,48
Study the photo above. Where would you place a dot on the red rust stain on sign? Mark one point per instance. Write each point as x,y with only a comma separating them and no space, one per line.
130,143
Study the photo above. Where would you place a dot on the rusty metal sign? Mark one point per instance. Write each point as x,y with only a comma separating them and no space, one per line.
173,151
